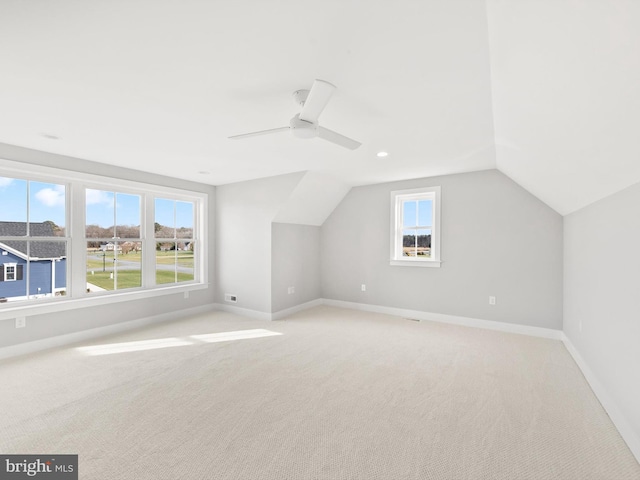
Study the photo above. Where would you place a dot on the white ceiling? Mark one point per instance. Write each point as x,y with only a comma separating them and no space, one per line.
160,85
566,96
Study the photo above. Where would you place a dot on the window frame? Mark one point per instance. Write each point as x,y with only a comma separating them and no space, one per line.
147,221
6,273
22,271
193,239
117,241
397,199
76,184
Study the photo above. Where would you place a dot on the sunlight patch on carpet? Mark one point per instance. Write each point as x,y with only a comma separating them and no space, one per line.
154,344
239,335
133,346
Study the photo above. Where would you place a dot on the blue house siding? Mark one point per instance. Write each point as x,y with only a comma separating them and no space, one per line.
39,276
61,274
33,259
17,288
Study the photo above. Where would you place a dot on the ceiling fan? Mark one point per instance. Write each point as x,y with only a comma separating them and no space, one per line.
305,124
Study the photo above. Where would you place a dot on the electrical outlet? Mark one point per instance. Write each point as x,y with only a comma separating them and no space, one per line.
363,287
492,300
291,290
580,325
21,322
228,297
186,295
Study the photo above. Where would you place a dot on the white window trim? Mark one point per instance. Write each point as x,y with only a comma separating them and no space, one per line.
396,198
147,198
76,182
15,272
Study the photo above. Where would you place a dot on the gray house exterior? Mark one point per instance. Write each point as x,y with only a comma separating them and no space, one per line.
43,263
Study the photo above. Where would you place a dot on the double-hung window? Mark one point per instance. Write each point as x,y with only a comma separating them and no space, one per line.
118,240
34,241
69,235
10,272
114,240
415,227
175,240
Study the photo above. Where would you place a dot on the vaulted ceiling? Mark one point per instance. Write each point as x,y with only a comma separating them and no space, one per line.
545,91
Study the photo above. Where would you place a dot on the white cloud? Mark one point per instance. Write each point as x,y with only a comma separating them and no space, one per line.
51,197
5,182
95,197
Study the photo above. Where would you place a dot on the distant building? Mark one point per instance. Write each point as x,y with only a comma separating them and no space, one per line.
109,247
46,259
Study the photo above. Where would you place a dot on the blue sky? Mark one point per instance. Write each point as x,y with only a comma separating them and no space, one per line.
108,208
165,213
100,210
46,201
417,213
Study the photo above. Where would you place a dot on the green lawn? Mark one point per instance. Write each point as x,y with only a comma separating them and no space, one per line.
126,279
184,259
132,278
167,276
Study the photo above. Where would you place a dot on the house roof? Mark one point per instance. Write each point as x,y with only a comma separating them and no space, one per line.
546,92
37,249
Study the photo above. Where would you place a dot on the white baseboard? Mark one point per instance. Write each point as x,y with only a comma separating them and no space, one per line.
84,335
245,312
298,308
610,406
258,315
37,345
399,312
453,319
89,334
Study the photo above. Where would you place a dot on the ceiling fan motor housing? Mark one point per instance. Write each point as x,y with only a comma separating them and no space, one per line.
302,128
300,96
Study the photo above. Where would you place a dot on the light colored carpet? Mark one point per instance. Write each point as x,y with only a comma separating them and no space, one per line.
340,395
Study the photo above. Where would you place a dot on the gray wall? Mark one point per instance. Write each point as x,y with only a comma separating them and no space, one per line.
244,212
43,326
602,295
295,261
497,239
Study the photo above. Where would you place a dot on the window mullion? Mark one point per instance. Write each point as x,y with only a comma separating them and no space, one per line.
399,240
147,233
77,280
175,241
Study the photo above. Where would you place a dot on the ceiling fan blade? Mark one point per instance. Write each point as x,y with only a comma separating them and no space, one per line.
261,132
338,139
317,99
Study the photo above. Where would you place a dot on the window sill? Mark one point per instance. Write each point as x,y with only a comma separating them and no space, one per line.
415,263
39,307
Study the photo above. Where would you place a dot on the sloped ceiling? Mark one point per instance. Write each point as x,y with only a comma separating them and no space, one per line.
312,200
544,91
566,96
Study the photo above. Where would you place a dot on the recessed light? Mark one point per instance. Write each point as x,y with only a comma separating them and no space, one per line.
49,136
382,154
204,172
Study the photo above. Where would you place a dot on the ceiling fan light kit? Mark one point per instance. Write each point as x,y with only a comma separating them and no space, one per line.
305,124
